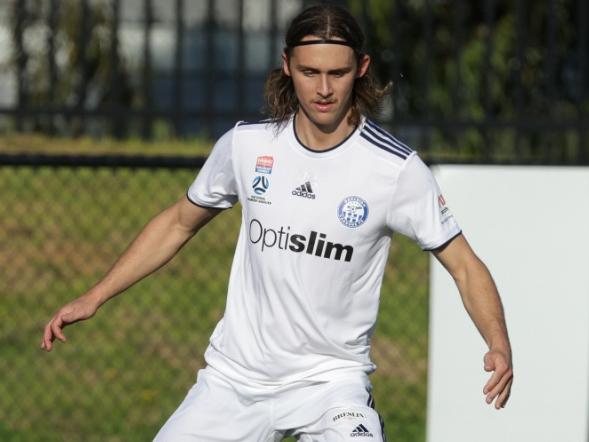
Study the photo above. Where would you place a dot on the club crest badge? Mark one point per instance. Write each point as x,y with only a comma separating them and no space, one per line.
352,211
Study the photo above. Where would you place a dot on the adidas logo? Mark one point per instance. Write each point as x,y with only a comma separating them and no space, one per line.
305,191
361,431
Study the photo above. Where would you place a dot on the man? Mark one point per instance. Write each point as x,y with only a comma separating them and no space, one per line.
322,190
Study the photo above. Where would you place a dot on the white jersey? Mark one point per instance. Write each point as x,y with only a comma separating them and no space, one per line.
316,226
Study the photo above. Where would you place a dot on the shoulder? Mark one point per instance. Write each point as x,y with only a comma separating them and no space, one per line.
381,142
255,133
260,128
244,128
257,125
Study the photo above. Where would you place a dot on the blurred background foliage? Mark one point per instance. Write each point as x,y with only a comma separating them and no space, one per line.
460,33
495,80
490,81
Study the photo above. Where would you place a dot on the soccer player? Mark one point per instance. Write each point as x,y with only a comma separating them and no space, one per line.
322,189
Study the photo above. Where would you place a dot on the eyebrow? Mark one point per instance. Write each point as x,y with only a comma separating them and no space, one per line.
342,70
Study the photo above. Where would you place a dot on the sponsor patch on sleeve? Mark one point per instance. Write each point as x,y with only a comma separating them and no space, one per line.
444,210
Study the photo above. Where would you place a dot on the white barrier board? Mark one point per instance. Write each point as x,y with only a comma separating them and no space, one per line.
530,225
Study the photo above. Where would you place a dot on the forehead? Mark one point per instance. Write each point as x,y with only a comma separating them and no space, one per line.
323,55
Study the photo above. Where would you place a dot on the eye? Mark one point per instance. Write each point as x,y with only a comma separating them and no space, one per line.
308,73
339,74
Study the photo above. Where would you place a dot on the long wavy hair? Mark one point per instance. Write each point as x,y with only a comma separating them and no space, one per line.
325,22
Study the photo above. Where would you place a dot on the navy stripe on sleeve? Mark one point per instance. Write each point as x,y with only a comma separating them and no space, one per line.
387,135
364,134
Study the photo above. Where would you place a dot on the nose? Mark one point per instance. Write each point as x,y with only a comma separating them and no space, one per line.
324,87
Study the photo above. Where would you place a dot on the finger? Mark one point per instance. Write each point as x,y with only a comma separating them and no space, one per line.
499,387
48,336
504,396
43,338
493,381
499,365
56,329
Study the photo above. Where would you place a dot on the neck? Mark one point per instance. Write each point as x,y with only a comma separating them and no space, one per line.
322,137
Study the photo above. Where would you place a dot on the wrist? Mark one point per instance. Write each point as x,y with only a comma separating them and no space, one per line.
501,346
95,297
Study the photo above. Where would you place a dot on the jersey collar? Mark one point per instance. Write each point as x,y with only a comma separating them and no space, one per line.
308,151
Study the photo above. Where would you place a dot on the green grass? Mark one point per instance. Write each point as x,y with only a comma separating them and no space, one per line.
33,143
122,373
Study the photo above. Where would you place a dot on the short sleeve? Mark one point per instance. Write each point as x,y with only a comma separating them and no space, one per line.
216,186
418,209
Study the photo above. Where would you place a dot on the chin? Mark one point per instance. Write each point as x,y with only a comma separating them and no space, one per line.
327,119
324,119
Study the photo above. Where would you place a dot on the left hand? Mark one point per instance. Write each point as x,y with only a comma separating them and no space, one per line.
499,385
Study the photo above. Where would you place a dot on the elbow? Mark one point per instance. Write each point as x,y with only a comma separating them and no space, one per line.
460,276
470,270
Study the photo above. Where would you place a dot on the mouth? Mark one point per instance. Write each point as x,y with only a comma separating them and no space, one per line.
324,106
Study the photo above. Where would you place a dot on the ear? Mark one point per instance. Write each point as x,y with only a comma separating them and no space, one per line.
363,66
285,67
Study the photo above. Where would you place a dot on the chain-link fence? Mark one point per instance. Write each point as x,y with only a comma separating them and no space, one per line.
122,373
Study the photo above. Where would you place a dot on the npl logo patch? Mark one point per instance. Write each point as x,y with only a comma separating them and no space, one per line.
260,184
352,211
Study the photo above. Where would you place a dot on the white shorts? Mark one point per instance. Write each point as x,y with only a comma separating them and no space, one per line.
214,410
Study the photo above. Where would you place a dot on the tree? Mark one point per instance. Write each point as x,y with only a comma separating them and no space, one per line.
482,73
63,53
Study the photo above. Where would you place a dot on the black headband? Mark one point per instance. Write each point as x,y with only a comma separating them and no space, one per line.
321,41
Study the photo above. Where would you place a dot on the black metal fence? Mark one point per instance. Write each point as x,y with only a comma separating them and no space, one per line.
190,66
486,81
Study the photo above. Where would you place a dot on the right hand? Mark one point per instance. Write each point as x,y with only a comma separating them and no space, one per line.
77,310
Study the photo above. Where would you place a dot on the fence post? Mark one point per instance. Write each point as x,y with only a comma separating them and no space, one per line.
519,57
82,64
210,68
240,77
178,69
52,24
117,117
583,12
487,71
273,34
147,111
426,75
21,63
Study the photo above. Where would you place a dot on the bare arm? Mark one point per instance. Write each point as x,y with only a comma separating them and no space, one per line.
158,243
483,304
